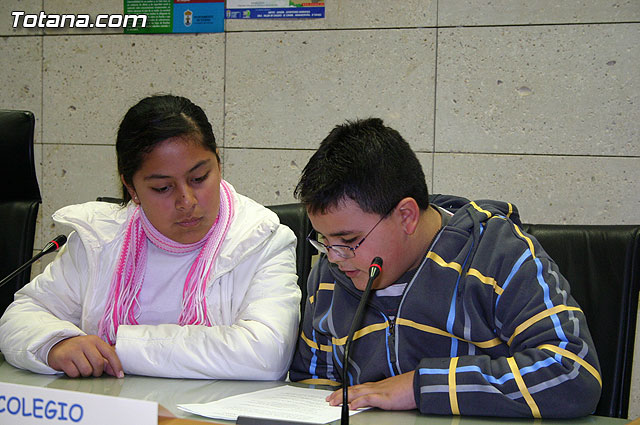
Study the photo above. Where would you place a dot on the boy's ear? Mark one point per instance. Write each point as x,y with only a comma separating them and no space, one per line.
409,212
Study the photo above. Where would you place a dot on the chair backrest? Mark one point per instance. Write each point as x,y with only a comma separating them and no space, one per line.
295,217
19,199
602,265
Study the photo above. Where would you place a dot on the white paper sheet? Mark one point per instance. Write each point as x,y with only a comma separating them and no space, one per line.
284,403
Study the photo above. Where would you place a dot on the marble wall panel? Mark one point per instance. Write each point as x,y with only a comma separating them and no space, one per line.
547,189
539,90
522,12
74,174
7,19
89,7
267,176
427,162
21,76
90,82
287,89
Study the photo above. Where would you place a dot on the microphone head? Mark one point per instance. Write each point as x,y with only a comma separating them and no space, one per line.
375,268
55,244
59,241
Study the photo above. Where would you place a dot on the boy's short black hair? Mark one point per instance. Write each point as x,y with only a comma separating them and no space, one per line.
367,162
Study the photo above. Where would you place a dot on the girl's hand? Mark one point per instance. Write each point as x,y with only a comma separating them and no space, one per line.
85,356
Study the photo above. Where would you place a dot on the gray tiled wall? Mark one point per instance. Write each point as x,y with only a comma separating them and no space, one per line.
532,101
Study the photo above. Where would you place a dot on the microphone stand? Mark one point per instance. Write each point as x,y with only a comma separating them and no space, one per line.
50,247
374,272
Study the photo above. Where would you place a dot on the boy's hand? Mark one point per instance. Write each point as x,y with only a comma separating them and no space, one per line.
395,393
85,356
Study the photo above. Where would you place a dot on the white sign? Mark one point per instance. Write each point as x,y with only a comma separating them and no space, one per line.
26,405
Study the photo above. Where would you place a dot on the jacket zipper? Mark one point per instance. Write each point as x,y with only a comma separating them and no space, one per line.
391,341
392,345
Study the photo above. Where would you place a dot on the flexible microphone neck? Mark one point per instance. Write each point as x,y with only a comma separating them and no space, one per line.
374,271
53,245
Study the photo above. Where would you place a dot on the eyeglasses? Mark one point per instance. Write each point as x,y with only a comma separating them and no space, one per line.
343,251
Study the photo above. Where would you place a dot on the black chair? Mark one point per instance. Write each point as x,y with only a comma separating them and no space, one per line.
602,265
19,199
295,217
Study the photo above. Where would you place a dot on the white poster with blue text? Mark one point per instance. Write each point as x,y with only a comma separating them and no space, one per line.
274,9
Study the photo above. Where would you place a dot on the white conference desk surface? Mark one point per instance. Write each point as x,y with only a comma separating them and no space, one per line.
170,392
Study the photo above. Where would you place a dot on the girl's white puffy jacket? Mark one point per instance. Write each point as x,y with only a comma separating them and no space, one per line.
252,299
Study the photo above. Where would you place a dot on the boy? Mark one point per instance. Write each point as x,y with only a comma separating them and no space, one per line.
469,315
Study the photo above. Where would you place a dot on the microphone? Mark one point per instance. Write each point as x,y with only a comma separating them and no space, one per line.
53,245
374,271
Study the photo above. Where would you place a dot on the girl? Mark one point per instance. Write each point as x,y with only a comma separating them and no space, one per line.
188,279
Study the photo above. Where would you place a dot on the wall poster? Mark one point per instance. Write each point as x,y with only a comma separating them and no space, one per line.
177,16
274,9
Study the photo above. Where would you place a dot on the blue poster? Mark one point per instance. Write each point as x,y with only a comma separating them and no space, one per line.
198,16
176,16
